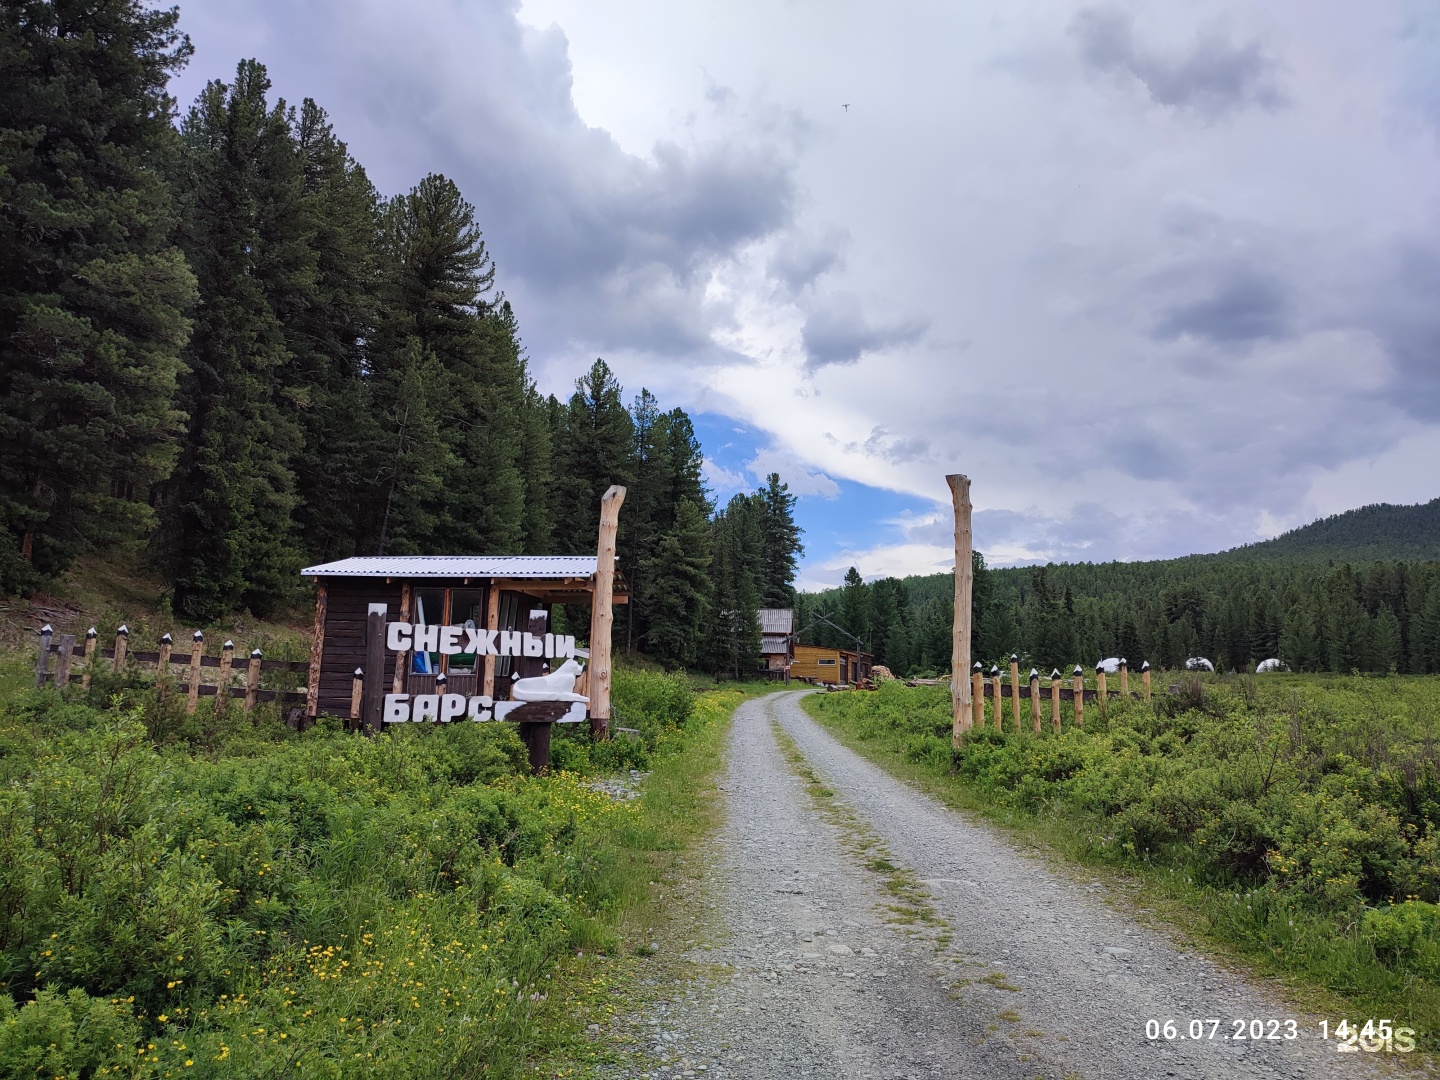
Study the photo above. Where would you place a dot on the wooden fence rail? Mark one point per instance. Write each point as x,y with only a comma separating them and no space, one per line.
164,662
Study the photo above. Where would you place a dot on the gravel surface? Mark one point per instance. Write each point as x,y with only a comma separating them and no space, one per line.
1019,972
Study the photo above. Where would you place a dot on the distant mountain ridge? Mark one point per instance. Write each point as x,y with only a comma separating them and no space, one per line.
1367,534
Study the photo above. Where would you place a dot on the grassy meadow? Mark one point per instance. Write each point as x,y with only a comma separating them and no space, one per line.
220,896
1294,820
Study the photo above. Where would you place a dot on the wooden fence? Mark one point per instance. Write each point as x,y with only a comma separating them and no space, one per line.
997,688
193,666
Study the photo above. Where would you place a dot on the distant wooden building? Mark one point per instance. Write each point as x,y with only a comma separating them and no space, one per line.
777,642
835,667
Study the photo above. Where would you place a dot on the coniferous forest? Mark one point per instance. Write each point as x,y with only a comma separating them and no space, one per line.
221,346
1356,592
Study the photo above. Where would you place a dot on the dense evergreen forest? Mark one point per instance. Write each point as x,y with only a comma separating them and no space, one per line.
220,345
1356,592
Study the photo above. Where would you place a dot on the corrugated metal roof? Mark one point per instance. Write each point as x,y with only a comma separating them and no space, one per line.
458,566
774,645
776,620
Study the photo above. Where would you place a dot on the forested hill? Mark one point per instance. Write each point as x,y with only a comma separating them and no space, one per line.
1357,591
1378,531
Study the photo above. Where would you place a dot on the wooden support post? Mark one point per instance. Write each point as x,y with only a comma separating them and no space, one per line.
1101,694
1078,684
42,662
963,713
1015,690
1145,678
197,649
317,651
66,648
1035,701
977,699
374,668
402,660
492,619
1055,700
998,712
122,639
602,617
252,679
1124,679
222,686
162,664
92,640
357,695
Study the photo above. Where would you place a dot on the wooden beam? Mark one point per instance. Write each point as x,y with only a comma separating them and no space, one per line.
1055,700
960,690
197,650
999,711
492,616
1078,681
977,698
222,684
602,617
1124,679
375,667
1145,678
1035,701
92,641
252,679
317,653
42,662
122,639
66,648
402,660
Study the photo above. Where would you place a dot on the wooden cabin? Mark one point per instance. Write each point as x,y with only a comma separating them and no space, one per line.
777,641
514,593
835,667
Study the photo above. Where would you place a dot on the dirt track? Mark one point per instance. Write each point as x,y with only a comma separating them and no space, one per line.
824,971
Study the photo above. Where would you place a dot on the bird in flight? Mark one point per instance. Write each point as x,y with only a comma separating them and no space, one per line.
845,107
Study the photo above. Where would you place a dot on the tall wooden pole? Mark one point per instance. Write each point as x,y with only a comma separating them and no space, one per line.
1101,694
42,662
492,622
317,653
998,694
1078,685
92,642
1124,679
1145,678
602,617
960,691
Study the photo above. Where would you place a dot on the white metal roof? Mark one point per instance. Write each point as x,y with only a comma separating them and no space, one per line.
776,620
457,566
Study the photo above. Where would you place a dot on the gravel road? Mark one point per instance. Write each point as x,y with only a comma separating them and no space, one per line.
1020,972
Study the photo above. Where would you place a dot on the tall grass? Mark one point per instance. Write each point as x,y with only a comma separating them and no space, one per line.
1292,818
221,896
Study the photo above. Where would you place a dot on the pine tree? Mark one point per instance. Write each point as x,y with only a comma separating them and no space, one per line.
229,539
1385,641
855,609
595,448
1299,646
736,574
678,594
1349,633
327,393
782,543
1425,637
92,293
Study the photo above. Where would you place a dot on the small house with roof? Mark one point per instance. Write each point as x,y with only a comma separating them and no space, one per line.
777,641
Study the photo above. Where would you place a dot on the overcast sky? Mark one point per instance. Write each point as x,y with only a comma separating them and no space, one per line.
1160,278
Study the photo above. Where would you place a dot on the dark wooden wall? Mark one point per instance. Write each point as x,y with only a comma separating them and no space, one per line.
348,602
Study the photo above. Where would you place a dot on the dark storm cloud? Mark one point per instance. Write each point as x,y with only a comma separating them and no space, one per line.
799,260
839,333
1213,77
594,244
1245,306
1406,318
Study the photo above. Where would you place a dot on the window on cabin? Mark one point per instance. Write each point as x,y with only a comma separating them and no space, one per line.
429,611
825,663
467,609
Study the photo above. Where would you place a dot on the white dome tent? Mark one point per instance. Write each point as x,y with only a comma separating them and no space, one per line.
1110,665
1199,663
1272,665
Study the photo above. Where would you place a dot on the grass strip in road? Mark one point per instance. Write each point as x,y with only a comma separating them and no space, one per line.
1088,798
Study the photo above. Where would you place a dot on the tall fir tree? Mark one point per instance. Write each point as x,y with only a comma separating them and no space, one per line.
782,543
595,448
93,294
734,645
677,599
229,540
